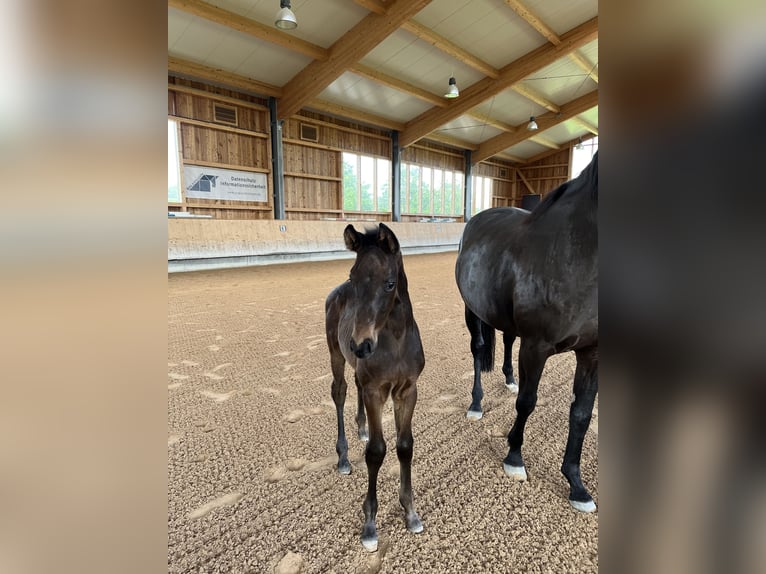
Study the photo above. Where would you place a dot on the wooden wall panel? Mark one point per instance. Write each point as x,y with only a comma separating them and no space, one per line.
245,147
547,173
435,156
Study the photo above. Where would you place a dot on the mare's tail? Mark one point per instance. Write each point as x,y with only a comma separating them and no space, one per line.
482,341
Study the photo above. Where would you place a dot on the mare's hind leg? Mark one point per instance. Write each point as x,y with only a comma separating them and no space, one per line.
361,418
510,382
532,357
404,399
585,389
483,351
374,453
338,364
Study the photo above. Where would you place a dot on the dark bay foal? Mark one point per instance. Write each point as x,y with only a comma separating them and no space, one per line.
370,326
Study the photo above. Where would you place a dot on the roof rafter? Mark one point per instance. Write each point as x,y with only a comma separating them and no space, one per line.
450,48
548,120
585,124
535,21
251,27
544,141
347,51
222,77
489,87
585,65
535,96
354,114
397,84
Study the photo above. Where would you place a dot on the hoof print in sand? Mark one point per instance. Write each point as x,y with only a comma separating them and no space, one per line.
295,416
225,500
291,563
218,397
295,464
276,474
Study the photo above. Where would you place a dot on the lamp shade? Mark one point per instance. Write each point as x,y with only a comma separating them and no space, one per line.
285,18
452,91
532,125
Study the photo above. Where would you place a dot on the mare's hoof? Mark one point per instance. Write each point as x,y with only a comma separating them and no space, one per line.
344,468
588,506
513,387
414,525
518,473
370,544
474,415
364,435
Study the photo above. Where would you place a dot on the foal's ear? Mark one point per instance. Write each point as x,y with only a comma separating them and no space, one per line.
351,237
387,241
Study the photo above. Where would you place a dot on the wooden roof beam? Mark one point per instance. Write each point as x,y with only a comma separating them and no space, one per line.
450,48
374,6
535,21
535,96
221,77
344,53
587,125
350,113
548,120
251,27
397,84
585,65
491,121
544,141
484,89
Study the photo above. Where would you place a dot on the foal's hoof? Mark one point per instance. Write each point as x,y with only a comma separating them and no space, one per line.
518,473
414,524
370,543
588,506
364,435
513,387
474,415
344,468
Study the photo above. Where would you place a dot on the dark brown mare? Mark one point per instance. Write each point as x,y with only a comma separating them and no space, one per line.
370,326
535,276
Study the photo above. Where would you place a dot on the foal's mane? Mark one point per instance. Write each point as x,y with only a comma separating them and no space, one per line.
586,182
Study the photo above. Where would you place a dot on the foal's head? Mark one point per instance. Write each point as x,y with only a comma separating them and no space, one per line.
374,279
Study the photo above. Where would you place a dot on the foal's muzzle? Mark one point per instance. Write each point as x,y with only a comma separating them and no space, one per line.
363,350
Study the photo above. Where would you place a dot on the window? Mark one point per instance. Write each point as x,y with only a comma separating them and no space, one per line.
366,183
581,157
482,193
174,168
431,191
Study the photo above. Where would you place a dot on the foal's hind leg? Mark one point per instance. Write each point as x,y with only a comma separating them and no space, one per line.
361,418
483,351
510,382
532,357
585,389
338,364
374,453
404,400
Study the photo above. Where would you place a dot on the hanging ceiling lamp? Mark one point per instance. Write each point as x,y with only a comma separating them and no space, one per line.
532,125
452,91
579,143
285,18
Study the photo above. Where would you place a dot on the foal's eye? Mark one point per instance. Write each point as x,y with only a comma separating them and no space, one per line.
390,285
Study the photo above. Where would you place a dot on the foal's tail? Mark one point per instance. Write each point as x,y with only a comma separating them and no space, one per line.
482,341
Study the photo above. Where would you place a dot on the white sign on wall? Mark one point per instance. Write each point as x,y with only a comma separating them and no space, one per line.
216,183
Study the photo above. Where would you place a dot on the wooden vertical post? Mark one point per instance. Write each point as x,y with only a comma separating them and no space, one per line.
396,177
277,160
467,189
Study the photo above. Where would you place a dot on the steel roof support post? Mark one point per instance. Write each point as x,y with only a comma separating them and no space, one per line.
277,160
468,190
396,177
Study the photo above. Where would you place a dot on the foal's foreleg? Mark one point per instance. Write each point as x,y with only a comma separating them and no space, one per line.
374,454
404,405
532,357
585,389
338,364
361,418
